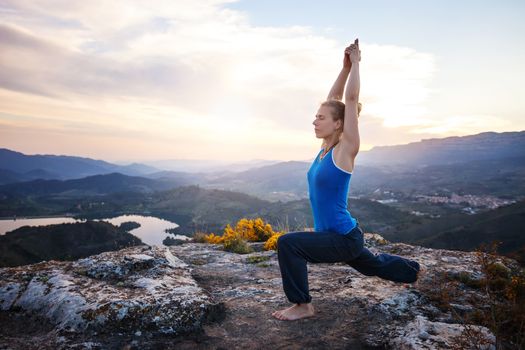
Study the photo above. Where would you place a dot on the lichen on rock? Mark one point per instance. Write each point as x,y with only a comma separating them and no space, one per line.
137,287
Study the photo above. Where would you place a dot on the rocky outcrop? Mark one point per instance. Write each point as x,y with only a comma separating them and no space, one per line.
138,288
195,295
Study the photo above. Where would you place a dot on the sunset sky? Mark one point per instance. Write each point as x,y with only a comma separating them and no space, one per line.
240,80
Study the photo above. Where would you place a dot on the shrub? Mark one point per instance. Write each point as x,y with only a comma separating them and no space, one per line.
199,237
255,230
236,244
213,238
505,292
229,234
262,231
271,243
465,278
499,303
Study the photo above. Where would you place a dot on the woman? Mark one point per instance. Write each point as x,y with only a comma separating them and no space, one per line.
337,236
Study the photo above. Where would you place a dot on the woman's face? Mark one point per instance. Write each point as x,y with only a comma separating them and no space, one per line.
324,125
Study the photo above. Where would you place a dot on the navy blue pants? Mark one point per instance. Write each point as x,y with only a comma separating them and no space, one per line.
295,249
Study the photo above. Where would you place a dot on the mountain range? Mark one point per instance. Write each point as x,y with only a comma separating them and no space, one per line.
449,150
18,167
474,168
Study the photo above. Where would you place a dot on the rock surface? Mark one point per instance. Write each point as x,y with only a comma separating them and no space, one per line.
124,291
197,296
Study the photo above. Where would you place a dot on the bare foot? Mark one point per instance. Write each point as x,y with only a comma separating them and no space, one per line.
295,312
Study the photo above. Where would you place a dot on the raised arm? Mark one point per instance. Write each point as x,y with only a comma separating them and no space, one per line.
350,138
336,93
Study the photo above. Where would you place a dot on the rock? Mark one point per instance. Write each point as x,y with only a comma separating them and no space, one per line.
461,309
132,288
450,259
344,298
424,335
374,239
444,335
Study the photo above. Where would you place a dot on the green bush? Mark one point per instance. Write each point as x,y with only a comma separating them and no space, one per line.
237,244
199,237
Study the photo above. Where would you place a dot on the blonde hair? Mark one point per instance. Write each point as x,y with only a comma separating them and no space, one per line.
338,113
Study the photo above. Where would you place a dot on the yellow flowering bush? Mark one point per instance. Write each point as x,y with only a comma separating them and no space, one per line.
262,231
271,243
236,244
244,228
213,238
255,230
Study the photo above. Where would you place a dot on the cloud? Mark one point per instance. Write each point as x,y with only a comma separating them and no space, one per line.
180,71
395,84
463,125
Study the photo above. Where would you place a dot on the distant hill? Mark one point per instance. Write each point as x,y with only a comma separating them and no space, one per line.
498,177
486,163
285,177
183,177
455,149
287,180
71,241
504,224
463,232
23,167
91,185
207,165
191,207
9,176
194,208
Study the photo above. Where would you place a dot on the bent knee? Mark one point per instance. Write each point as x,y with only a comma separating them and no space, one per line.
283,240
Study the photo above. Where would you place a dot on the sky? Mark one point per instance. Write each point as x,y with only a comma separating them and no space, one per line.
128,81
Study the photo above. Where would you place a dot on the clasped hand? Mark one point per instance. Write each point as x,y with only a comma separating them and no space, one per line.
352,53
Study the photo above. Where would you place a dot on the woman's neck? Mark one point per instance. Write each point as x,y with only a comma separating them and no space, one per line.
329,143
327,149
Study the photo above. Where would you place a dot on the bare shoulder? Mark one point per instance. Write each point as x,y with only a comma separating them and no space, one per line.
344,157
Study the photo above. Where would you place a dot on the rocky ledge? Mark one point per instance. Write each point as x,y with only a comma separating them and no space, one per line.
137,288
197,296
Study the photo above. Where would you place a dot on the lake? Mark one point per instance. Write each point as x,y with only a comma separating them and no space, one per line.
151,230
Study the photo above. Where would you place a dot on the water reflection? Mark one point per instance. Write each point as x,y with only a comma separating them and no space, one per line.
151,230
10,225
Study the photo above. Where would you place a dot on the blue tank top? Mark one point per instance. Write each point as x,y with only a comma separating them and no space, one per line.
328,187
